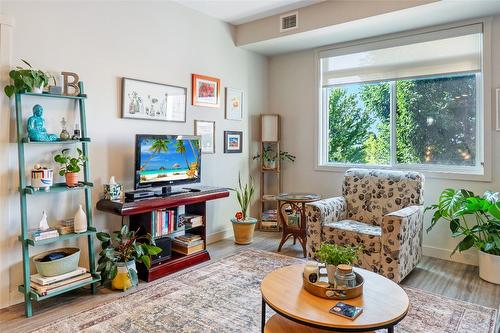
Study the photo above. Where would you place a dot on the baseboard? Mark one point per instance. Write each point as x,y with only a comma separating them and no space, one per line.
469,258
219,235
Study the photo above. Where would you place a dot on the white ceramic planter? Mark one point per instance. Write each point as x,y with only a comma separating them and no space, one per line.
37,90
489,267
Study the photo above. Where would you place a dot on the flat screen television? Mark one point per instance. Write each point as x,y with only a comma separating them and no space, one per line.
167,160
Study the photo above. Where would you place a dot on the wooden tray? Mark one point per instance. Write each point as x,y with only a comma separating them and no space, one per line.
323,289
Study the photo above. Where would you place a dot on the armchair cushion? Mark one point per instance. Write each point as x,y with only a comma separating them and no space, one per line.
354,233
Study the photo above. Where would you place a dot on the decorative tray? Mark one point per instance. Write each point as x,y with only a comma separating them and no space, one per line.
323,289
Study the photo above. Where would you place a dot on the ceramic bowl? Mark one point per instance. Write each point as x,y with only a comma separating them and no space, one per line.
60,266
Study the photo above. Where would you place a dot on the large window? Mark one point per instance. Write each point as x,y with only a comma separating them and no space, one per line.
404,103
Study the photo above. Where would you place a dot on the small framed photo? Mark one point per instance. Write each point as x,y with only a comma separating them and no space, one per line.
153,101
205,91
234,107
233,142
206,129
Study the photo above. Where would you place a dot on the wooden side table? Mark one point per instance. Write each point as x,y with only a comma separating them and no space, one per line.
384,304
297,202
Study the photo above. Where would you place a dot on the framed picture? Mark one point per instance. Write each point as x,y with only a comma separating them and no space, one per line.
205,91
153,101
234,100
233,142
498,109
206,129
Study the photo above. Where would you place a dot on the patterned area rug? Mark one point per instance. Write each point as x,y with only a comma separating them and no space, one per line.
224,296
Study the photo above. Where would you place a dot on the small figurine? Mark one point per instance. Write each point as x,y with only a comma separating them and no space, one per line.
36,126
64,133
43,225
76,132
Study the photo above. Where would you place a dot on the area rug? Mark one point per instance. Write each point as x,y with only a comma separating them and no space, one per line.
224,296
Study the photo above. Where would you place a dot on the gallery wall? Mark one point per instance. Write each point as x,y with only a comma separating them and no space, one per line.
103,42
293,95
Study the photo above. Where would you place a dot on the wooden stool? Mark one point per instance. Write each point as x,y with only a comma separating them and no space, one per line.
279,324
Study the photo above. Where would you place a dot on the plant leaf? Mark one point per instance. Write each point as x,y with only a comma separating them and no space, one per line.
466,243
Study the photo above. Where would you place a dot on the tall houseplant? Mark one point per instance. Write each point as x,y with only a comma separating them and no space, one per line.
243,225
476,221
70,165
120,252
26,80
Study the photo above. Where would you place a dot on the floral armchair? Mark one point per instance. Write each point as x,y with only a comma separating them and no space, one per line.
380,210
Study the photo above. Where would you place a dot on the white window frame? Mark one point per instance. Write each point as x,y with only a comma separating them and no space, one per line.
484,121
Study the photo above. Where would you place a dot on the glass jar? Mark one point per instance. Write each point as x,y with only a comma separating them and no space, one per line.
344,277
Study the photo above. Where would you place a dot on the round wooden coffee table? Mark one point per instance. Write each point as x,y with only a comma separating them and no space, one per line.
384,303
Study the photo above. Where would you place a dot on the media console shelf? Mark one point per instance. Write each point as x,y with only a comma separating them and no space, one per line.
140,210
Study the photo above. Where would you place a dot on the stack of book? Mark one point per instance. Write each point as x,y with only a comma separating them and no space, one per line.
188,244
269,218
191,221
164,222
38,235
66,227
48,285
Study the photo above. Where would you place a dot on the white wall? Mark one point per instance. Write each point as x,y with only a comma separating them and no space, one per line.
102,42
292,94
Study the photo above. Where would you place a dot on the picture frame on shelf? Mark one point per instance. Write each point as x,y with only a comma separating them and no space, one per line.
206,130
153,101
233,142
205,91
234,104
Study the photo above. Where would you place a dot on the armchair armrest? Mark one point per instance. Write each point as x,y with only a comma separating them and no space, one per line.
401,241
318,213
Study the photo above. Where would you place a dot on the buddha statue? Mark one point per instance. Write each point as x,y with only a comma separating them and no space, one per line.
36,126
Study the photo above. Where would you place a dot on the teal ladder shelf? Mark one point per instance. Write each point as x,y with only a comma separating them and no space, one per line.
25,191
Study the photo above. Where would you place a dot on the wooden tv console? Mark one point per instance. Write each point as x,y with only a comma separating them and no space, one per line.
140,210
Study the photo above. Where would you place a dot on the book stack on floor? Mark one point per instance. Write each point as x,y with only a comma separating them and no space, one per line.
38,234
269,219
48,285
188,244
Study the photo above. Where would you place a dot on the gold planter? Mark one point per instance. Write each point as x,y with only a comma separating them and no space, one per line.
243,230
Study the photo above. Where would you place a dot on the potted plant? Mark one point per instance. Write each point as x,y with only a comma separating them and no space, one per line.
269,157
70,165
119,254
476,220
333,255
27,80
243,225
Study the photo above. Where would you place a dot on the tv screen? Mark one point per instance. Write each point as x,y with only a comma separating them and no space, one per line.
167,160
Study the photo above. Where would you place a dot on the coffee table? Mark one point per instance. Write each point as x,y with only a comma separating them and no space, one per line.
297,201
384,302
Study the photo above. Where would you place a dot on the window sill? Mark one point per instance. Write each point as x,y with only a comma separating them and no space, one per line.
469,175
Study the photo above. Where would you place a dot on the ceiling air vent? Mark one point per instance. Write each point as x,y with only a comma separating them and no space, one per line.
289,21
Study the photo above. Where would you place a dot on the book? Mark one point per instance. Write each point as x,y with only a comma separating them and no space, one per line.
45,280
45,289
188,237
44,234
63,230
187,251
193,220
188,244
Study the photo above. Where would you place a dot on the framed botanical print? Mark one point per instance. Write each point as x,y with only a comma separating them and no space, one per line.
153,101
205,91
234,107
233,142
206,130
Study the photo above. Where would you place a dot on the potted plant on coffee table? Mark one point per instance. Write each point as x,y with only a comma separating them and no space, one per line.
244,225
70,165
27,80
120,252
476,221
332,255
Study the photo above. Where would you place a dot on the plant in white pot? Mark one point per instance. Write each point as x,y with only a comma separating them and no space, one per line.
477,220
332,255
244,225
27,80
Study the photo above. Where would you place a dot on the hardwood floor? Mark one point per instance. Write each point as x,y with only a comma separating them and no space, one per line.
433,275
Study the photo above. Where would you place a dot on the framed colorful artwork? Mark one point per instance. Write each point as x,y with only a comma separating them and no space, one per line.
153,101
205,91
233,142
234,107
206,130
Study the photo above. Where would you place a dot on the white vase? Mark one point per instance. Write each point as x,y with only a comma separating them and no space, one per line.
80,224
489,267
37,90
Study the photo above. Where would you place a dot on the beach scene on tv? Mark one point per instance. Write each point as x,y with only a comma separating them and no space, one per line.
167,159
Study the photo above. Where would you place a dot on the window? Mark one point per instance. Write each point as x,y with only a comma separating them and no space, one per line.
412,102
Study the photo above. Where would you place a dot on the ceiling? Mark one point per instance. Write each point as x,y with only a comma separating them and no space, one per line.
242,11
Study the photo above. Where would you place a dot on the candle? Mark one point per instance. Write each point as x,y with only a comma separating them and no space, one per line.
311,271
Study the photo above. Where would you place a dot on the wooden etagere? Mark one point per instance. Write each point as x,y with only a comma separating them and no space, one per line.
26,190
